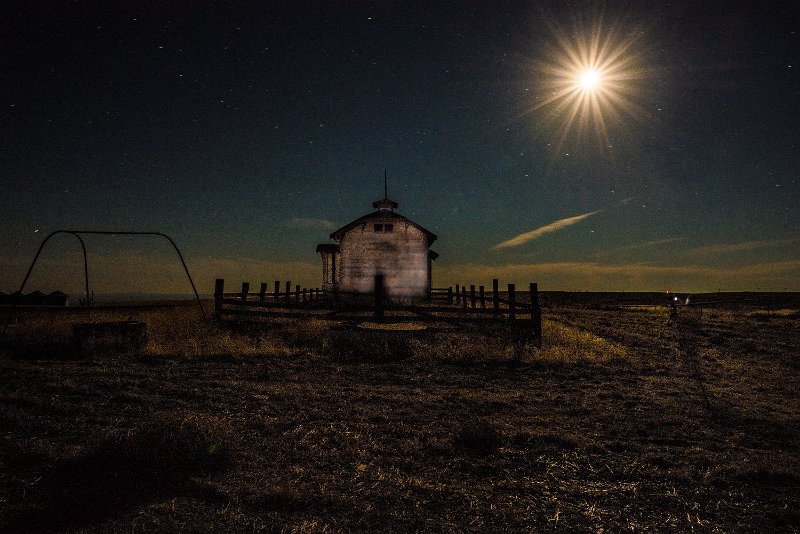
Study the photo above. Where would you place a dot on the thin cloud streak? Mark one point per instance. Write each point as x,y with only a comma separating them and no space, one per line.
300,222
638,246
554,226
746,246
137,273
594,276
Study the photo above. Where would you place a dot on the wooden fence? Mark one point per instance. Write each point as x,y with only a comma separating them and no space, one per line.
445,304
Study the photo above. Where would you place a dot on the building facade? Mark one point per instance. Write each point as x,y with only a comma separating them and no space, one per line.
382,242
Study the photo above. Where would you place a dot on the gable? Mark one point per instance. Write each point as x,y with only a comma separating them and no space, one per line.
384,222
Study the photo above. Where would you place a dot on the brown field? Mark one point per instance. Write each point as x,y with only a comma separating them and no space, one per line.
621,421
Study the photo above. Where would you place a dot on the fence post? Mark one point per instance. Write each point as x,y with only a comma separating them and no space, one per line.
219,290
536,314
277,290
511,302
297,294
472,296
262,291
245,290
288,292
496,296
464,296
305,294
450,295
458,294
378,296
482,297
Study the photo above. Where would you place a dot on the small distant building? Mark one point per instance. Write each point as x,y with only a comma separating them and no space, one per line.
382,242
34,298
57,298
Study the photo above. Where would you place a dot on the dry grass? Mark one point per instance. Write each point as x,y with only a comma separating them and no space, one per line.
184,336
782,313
568,344
406,326
619,422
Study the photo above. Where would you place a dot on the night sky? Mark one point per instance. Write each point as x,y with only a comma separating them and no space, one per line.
250,131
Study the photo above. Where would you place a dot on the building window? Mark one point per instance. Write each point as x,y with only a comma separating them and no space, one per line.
388,227
378,228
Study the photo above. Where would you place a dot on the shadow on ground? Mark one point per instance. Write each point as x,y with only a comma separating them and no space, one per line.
156,460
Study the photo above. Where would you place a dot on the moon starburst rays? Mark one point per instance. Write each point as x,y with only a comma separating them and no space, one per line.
588,83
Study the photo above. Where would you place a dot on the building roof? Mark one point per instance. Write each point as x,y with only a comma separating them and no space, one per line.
381,214
328,247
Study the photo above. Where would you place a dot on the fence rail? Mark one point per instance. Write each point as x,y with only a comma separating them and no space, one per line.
444,304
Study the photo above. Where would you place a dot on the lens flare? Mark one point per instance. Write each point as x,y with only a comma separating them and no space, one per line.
590,81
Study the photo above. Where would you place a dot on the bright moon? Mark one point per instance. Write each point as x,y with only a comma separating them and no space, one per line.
589,79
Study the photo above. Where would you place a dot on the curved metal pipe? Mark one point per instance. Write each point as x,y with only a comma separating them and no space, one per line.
185,268
165,236
30,270
78,233
85,270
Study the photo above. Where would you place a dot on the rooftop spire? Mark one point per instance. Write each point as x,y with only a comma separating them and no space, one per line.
385,203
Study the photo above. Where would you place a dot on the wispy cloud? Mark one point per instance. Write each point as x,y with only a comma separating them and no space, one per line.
543,230
638,246
595,276
154,273
732,248
299,222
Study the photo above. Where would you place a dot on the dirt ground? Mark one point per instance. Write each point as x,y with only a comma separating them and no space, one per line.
622,420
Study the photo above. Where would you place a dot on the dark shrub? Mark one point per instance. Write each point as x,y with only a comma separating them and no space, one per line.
477,438
175,446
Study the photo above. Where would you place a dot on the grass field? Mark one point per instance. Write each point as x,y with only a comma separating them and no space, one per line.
621,421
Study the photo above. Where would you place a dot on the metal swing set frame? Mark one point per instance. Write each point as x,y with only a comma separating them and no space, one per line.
78,234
